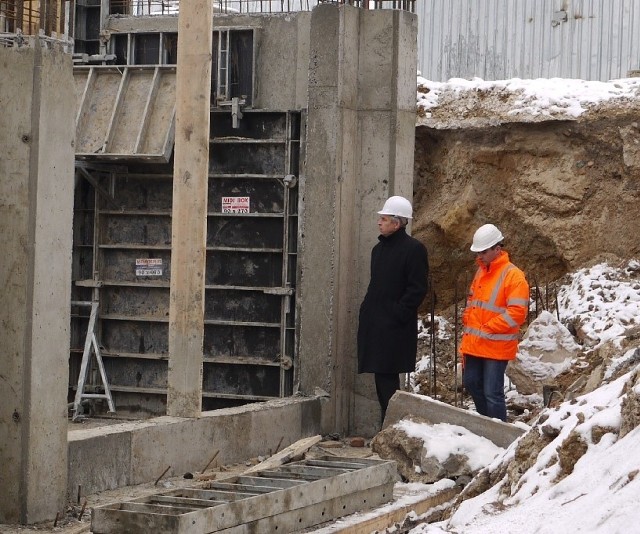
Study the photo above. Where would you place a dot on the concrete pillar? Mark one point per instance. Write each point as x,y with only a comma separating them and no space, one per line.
36,211
387,115
360,140
189,215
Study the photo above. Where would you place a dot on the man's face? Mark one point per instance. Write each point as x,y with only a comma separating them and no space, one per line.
387,225
487,256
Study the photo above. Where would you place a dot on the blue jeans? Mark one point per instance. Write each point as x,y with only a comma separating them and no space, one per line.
484,380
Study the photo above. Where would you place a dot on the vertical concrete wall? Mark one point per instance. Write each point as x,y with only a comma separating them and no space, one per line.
387,85
36,203
360,141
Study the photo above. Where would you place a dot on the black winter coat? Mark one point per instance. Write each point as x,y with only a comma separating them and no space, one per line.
388,327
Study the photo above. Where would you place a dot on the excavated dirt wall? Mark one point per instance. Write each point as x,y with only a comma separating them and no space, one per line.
563,192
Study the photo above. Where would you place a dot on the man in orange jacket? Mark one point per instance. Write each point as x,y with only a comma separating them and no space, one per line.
497,306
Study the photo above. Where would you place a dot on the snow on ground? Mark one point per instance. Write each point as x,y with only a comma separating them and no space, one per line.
604,299
601,494
442,103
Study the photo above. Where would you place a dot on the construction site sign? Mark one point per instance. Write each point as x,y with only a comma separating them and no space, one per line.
148,266
235,204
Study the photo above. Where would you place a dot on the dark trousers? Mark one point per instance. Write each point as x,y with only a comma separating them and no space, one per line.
386,385
484,380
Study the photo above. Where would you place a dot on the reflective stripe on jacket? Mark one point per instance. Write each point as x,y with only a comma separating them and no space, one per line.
496,308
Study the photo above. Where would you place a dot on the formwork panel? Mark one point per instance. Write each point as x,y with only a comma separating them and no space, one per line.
346,488
119,264
149,193
242,306
95,115
266,195
266,159
238,340
125,112
249,324
137,230
253,269
236,231
142,337
137,373
232,379
263,125
126,127
134,301
158,137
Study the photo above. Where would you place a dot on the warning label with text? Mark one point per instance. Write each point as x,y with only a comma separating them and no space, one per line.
235,204
148,266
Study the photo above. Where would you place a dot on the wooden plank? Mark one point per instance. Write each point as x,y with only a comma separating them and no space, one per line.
189,216
286,455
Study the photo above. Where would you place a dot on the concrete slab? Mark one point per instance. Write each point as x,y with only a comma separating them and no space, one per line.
403,404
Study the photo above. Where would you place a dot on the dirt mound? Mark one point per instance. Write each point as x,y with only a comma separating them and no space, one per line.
561,191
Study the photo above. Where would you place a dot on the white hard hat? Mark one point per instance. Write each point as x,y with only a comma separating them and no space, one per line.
485,237
397,206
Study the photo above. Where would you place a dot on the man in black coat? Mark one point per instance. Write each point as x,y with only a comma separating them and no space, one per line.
388,327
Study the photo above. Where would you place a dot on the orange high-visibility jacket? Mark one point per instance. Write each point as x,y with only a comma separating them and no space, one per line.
497,305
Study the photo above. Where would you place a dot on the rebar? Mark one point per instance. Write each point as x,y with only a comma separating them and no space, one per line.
455,343
433,339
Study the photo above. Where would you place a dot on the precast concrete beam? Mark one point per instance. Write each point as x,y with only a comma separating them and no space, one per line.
403,404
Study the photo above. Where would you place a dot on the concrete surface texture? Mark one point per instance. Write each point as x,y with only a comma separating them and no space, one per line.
359,151
403,404
35,214
132,453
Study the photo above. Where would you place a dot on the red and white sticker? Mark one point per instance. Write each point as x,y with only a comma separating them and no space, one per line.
235,205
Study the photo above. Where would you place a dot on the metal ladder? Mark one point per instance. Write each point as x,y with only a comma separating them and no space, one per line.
91,345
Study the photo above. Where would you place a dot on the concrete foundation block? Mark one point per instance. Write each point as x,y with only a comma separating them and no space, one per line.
139,452
98,461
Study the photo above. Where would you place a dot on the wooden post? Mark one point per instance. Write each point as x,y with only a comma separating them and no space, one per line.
189,213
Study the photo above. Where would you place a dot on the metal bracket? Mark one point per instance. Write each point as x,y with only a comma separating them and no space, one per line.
236,109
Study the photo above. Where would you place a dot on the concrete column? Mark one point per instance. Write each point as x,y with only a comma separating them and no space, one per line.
36,211
387,102
361,72
327,217
189,214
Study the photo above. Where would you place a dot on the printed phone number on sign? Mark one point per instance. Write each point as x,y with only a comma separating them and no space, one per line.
235,204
